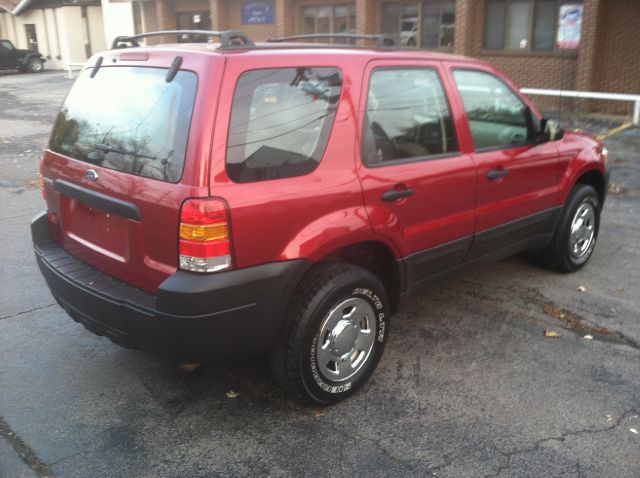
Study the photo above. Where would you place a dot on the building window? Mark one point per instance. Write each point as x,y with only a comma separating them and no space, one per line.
428,24
193,21
532,24
329,19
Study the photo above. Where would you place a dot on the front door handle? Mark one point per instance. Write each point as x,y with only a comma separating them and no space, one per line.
395,194
497,174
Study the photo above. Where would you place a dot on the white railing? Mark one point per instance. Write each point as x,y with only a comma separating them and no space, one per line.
73,66
590,95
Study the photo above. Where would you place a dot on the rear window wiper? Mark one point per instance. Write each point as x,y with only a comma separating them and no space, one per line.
109,148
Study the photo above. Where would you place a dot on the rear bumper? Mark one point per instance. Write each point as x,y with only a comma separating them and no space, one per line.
193,317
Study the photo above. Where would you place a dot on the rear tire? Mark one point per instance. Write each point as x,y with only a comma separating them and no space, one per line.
576,233
35,66
334,335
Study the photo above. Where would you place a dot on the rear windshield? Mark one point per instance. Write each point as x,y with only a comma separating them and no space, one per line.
128,119
280,122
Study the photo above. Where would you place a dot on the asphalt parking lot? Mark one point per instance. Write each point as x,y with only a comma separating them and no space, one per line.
468,386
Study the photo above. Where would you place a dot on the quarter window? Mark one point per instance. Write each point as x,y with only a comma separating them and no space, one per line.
497,117
280,122
407,116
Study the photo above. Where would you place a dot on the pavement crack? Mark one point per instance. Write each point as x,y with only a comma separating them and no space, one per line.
28,456
570,320
13,217
28,311
536,446
378,444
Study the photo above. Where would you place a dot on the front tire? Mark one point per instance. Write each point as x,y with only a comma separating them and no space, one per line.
577,231
334,335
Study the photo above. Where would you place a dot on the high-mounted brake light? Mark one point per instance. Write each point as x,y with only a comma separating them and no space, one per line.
204,236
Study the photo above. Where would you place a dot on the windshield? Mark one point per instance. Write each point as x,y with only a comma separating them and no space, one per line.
128,119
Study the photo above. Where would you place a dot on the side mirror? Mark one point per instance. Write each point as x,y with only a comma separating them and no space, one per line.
552,130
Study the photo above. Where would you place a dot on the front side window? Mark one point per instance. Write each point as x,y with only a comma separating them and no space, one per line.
128,119
428,24
497,117
407,117
5,45
532,24
281,119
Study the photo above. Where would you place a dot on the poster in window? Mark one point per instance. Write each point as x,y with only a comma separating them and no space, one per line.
257,13
569,26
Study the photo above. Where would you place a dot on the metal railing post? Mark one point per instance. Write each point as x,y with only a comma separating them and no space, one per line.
636,113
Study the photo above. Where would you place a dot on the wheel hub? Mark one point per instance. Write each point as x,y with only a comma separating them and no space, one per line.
582,230
346,339
343,337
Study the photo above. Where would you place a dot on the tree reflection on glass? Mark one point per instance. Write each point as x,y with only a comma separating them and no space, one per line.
128,119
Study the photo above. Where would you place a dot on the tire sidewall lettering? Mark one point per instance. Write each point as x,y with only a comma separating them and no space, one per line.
378,307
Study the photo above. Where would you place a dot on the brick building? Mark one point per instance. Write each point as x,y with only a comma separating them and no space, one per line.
588,45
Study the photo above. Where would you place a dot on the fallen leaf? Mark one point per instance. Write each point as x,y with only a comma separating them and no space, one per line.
187,367
615,189
633,430
582,288
609,417
232,394
551,333
319,414
588,337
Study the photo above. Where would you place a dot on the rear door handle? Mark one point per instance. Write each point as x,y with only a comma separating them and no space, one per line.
395,194
497,174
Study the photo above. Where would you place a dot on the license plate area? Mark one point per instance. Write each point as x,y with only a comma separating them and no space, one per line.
101,231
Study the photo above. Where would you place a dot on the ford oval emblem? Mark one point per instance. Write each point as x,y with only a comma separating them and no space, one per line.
91,175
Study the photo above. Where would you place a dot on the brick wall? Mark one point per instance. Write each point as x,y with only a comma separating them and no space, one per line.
617,57
607,59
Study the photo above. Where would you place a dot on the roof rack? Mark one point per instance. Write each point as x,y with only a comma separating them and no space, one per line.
229,39
382,40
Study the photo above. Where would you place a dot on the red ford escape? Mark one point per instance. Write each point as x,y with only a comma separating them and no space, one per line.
212,200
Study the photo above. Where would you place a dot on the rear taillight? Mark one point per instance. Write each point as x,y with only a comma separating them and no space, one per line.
205,240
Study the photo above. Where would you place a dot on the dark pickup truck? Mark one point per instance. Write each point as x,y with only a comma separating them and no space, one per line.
23,60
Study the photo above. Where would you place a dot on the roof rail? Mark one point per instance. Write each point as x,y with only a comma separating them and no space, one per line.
229,39
381,39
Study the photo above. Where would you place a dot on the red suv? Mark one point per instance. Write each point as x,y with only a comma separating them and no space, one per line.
211,200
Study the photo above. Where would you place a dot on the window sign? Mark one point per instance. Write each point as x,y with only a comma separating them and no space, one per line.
569,26
257,13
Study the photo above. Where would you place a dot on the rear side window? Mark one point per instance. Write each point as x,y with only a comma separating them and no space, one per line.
281,119
497,117
407,117
128,119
